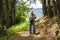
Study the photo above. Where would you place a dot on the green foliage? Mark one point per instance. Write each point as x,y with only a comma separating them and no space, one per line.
17,28
21,11
14,29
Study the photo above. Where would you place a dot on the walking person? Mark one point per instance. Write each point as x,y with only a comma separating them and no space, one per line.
32,23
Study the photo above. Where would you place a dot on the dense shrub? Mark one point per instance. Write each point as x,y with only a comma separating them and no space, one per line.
21,12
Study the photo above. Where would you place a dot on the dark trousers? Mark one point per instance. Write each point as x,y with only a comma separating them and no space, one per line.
32,24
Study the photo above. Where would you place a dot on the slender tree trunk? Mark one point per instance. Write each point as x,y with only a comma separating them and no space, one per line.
13,11
1,12
1,16
7,14
58,11
54,8
50,11
58,7
44,7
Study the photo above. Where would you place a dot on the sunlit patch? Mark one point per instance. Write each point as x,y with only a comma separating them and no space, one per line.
25,34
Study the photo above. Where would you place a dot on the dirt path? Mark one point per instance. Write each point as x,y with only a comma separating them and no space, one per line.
50,35
26,36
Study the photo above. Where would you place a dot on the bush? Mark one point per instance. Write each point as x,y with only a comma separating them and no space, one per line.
21,12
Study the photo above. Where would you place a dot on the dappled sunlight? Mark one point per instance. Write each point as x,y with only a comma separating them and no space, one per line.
30,20
17,28
21,36
25,33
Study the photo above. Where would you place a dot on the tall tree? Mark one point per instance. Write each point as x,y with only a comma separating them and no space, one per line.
50,11
13,10
7,13
58,11
54,8
1,16
1,12
44,7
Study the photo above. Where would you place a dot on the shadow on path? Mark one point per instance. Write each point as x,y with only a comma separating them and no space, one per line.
25,37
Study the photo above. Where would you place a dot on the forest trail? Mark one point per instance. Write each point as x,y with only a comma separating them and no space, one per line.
43,34
26,36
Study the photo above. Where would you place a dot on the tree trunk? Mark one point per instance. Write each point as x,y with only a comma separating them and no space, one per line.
58,11
1,16
1,12
7,14
13,11
54,8
44,7
50,11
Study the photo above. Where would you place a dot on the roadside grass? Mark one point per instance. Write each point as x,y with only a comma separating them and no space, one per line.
15,29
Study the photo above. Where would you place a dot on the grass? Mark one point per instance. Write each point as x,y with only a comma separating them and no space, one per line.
15,29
